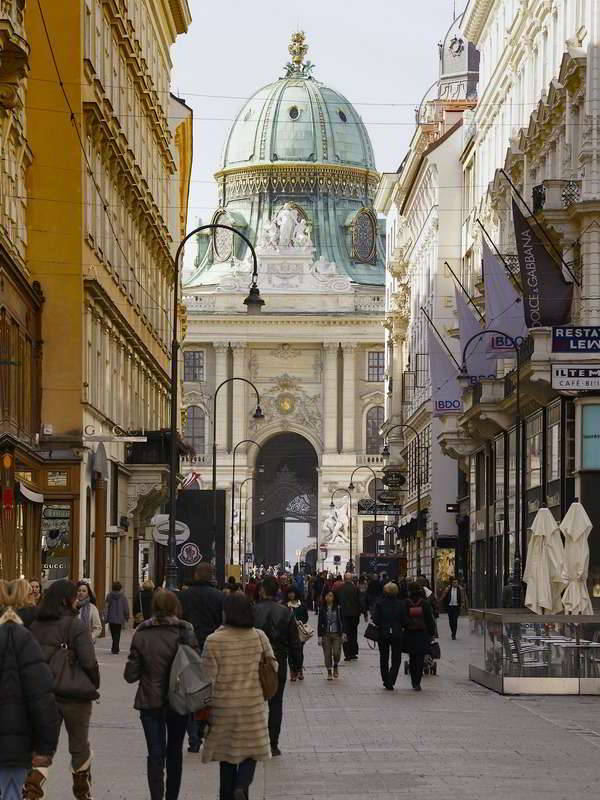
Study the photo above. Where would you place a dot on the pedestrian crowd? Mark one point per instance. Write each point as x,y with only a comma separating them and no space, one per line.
245,638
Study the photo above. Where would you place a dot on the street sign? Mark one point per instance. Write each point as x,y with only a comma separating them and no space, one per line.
452,508
380,510
386,498
160,534
583,377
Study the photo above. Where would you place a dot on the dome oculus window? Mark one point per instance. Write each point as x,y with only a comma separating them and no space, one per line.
364,233
293,112
222,239
342,116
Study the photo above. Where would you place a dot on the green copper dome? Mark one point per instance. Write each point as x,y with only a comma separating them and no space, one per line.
297,144
298,119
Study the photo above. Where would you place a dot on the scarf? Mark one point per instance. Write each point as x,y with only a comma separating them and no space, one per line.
84,611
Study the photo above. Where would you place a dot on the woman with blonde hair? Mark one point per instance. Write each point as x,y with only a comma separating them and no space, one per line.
29,719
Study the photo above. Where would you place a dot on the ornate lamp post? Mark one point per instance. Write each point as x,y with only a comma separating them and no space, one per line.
351,488
253,303
516,586
332,506
243,441
258,414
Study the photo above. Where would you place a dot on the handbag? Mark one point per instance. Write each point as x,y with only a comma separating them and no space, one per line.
268,673
434,650
305,631
372,632
71,681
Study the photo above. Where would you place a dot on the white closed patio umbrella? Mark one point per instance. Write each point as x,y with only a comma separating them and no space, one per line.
544,568
576,527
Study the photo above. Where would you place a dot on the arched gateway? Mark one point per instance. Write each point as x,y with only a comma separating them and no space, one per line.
285,500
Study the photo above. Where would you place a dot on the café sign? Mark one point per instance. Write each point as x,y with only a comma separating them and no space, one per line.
580,377
576,339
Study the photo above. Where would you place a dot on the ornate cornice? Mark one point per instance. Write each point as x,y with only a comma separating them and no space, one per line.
475,18
299,178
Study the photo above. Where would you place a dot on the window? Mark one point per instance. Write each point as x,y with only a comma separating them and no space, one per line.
499,452
374,423
553,446
534,451
194,429
375,365
193,365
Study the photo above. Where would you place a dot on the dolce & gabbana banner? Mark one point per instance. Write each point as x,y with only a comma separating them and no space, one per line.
546,293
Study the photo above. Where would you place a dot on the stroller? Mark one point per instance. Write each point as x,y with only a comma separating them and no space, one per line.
431,659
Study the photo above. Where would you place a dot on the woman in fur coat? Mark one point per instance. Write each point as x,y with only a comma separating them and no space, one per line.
238,734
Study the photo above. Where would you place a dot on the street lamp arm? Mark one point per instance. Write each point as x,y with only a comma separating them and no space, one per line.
245,441
229,380
463,366
403,425
212,226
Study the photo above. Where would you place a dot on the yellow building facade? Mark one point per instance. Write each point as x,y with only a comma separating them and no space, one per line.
100,177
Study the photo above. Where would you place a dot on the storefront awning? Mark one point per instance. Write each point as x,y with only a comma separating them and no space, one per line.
407,519
29,494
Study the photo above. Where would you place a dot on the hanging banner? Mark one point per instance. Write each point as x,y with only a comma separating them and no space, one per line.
476,357
445,390
547,295
503,306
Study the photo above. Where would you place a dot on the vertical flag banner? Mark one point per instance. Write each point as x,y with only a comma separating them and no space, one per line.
503,306
548,296
477,360
445,389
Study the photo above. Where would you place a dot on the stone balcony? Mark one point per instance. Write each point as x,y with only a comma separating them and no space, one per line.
14,51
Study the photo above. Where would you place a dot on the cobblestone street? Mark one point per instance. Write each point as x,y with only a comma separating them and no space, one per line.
352,739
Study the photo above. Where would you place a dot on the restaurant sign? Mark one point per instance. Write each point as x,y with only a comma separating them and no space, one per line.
576,339
581,377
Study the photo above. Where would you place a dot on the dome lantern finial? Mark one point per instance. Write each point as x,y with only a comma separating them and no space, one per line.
298,48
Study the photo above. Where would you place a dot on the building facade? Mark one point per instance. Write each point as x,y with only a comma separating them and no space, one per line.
537,124
423,245
107,151
298,179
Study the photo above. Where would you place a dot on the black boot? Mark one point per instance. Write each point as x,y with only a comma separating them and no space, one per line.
156,778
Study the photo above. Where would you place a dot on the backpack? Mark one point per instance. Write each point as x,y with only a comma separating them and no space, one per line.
188,690
416,616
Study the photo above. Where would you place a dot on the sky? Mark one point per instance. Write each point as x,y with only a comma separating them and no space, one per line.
381,54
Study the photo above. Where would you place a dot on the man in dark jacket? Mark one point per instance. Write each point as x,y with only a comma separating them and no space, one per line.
29,720
348,597
202,606
279,624
452,601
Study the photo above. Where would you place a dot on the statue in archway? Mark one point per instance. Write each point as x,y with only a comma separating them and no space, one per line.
336,528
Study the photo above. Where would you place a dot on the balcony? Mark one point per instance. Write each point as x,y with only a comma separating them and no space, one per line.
14,51
555,195
370,460
198,460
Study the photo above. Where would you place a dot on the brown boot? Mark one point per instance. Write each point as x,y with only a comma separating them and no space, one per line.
82,784
34,785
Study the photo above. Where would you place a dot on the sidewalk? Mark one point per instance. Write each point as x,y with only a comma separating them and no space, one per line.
349,739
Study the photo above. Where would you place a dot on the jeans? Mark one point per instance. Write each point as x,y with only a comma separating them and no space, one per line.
332,649
165,731
351,631
389,673
415,668
195,731
276,703
115,632
453,615
76,716
235,776
11,782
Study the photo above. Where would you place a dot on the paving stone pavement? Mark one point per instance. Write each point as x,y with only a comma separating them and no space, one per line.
350,738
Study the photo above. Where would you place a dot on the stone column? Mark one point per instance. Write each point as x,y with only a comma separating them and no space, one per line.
100,541
349,400
221,350
240,393
330,423
398,339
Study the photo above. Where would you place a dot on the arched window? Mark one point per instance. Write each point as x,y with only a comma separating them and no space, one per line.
194,429
374,423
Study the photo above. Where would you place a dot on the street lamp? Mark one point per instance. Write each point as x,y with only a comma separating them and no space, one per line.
258,414
251,478
516,594
243,441
332,507
351,487
246,524
253,305
386,452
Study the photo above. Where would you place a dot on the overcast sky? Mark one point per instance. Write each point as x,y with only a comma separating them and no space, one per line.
381,54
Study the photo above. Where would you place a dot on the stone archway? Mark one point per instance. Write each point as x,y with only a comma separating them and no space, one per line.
285,502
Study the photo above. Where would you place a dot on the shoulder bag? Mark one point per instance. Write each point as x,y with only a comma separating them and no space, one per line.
71,681
268,673
372,633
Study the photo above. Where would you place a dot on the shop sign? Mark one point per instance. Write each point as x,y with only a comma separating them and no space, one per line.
56,479
576,339
380,510
56,541
116,434
590,437
582,377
